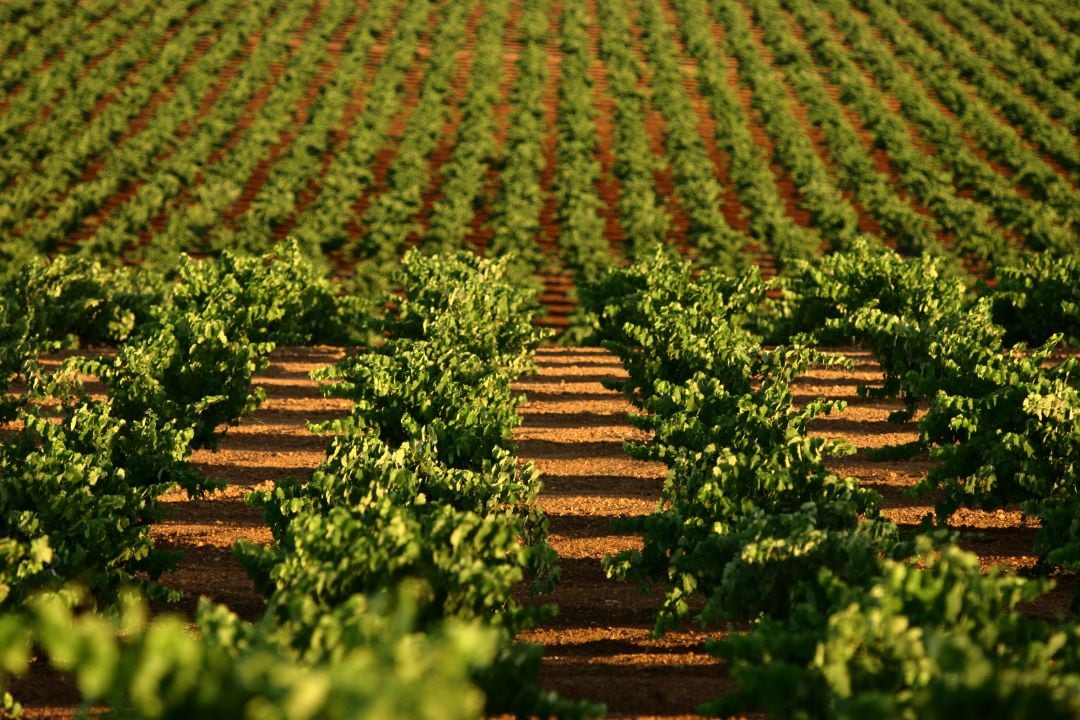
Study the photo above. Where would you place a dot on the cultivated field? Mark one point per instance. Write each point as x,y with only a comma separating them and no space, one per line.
564,131
896,178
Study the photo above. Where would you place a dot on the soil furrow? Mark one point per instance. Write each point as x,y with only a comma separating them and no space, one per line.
599,646
480,230
459,90
608,185
309,193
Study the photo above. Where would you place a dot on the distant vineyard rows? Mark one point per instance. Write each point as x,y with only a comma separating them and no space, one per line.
573,133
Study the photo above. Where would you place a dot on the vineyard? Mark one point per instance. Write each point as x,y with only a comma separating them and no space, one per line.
465,358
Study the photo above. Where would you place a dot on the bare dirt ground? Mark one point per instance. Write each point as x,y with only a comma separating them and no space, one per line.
599,646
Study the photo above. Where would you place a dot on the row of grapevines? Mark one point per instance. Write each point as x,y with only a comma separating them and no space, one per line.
195,226
1038,36
748,513
583,247
374,664
215,154
999,141
91,194
420,482
930,635
301,166
830,212
166,190
754,181
1038,297
82,475
642,210
1058,141
461,178
970,223
325,222
121,231
902,308
696,185
1058,103
515,218
893,306
24,28
26,99
390,219
847,625
429,513
1041,221
66,81
1003,423
68,150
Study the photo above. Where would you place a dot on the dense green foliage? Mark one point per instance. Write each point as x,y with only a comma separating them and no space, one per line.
80,490
371,661
852,618
419,490
941,640
1003,422
1038,298
420,482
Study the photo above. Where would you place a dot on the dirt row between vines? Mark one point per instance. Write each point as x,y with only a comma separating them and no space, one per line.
599,646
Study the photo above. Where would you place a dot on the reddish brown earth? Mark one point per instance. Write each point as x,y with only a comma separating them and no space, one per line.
784,182
735,213
91,221
599,646
608,185
549,223
656,128
801,113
